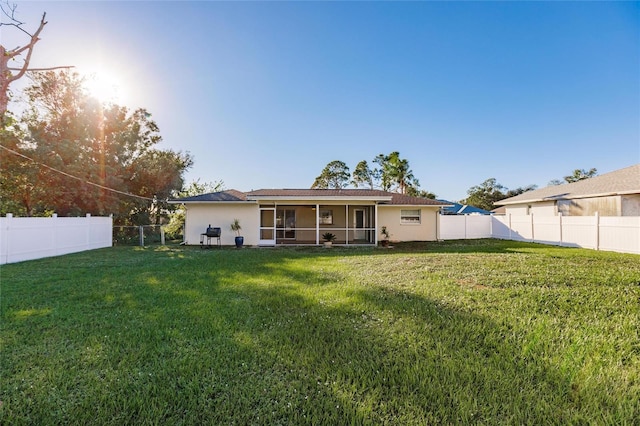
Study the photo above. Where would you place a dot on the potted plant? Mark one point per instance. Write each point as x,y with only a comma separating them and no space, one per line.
384,242
235,227
328,238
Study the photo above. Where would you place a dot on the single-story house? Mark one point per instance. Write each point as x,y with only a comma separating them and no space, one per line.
611,194
272,217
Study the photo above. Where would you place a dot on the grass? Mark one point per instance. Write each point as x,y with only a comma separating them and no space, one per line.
475,332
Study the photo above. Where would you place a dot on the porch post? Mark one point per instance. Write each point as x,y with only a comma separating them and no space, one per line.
346,225
375,225
317,224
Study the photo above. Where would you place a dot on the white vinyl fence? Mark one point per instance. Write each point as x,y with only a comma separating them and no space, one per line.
27,238
608,233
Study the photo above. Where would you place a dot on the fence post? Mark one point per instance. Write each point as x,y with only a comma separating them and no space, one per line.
465,226
597,231
161,234
560,223
533,235
491,226
7,231
88,233
54,240
141,231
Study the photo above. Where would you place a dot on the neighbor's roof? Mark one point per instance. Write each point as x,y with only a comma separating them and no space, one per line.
457,208
311,194
230,195
619,182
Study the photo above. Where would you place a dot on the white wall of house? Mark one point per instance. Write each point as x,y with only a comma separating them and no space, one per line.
615,205
631,205
517,209
544,208
200,216
426,230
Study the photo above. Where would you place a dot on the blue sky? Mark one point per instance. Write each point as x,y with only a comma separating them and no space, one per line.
265,94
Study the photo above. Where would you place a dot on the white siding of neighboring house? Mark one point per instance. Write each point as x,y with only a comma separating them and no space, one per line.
545,208
200,216
627,205
517,209
389,216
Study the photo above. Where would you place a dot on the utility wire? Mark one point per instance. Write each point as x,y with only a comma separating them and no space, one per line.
75,177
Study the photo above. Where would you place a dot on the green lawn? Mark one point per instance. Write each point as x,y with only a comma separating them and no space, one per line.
476,332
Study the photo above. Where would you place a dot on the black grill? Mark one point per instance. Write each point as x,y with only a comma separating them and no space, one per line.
205,238
213,232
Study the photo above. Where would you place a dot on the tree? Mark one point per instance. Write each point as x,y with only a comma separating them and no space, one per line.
395,173
8,19
513,192
177,218
392,174
78,156
196,188
415,192
363,175
577,175
485,195
488,192
335,175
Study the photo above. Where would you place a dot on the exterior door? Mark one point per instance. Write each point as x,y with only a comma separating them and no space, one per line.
359,223
286,224
267,226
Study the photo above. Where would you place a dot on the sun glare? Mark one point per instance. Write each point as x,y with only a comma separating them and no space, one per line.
104,87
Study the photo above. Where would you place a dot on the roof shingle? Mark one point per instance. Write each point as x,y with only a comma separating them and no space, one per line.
384,197
623,181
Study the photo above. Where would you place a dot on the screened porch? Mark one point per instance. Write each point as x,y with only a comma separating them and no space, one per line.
305,224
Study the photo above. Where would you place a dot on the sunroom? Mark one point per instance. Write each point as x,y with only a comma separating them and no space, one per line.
305,224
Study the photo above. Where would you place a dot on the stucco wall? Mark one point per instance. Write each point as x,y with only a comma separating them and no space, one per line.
199,216
545,208
631,205
425,231
517,209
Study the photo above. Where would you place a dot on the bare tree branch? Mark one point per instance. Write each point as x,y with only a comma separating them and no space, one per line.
6,74
44,69
29,48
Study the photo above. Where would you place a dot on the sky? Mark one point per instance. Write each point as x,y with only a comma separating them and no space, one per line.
266,94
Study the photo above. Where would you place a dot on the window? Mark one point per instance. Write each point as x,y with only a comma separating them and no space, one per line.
410,216
326,217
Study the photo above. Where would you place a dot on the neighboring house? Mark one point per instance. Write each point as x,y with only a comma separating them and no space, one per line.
457,209
611,194
300,216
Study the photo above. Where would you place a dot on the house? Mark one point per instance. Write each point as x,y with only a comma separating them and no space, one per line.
457,209
300,216
612,194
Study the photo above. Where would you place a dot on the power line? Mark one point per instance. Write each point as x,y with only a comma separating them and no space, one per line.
75,177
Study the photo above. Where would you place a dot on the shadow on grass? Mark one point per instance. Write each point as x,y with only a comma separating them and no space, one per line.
260,337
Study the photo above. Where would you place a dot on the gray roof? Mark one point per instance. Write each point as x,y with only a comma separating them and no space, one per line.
223,196
383,196
619,182
457,208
